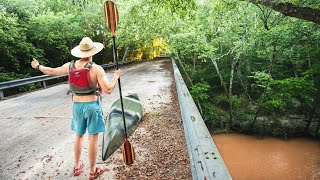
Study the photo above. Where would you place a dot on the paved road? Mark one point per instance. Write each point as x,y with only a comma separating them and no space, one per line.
36,139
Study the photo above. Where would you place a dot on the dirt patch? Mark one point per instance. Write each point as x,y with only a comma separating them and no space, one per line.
163,154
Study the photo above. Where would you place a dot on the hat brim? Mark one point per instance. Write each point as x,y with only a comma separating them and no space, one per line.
97,47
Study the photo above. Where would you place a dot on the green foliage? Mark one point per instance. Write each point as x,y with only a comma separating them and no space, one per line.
181,7
243,114
23,9
57,34
16,52
261,79
282,93
8,76
212,114
227,31
199,91
215,40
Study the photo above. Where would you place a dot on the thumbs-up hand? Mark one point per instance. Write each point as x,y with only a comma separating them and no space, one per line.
34,63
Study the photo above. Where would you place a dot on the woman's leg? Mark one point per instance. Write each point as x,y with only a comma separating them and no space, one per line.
93,149
78,150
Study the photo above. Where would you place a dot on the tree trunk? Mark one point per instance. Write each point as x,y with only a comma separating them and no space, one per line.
233,64
306,128
190,81
223,84
263,94
318,127
188,77
214,62
194,63
242,84
125,53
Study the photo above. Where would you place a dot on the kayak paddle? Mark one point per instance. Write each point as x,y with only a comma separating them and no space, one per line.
112,18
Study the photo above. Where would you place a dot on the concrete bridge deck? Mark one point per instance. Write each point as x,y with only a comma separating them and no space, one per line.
37,142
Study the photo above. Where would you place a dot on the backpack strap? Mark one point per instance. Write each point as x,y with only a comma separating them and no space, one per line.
89,65
71,65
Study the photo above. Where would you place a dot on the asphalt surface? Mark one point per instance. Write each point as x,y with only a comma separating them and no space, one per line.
36,139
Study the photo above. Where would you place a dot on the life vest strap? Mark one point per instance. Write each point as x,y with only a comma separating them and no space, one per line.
72,65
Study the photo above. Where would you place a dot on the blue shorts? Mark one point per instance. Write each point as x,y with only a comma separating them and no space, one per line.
87,115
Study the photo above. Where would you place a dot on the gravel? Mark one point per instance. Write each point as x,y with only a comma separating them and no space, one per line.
161,148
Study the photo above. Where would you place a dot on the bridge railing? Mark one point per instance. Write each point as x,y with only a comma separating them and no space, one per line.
205,159
42,78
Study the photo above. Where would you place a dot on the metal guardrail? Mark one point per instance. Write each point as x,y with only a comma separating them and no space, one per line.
205,159
42,78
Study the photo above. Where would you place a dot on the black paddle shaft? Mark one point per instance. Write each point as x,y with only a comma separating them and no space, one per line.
115,59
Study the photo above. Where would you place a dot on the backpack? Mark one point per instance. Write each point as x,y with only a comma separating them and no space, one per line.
79,80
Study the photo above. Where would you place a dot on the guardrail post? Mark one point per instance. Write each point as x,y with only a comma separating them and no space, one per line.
44,84
1,94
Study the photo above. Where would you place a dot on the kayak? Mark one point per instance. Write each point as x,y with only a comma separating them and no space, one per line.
114,135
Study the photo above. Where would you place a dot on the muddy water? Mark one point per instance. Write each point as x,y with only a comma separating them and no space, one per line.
266,159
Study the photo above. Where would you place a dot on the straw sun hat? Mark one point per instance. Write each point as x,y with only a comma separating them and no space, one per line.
86,48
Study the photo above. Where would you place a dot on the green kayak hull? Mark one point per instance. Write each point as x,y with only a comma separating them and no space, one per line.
114,135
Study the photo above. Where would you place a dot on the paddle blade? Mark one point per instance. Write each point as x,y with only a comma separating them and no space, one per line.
128,152
111,16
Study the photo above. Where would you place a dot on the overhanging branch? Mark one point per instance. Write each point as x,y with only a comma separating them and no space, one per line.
290,9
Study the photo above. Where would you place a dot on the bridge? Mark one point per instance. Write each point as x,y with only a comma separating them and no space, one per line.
171,141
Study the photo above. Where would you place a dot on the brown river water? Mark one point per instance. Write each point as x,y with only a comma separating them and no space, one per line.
250,158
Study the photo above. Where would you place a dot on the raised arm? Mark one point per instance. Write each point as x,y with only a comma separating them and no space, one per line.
103,82
50,71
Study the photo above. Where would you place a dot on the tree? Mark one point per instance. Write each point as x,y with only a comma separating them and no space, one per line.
290,9
15,48
56,34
